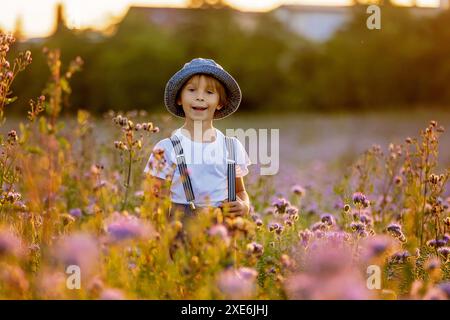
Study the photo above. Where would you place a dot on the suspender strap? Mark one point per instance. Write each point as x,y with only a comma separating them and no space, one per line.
231,168
187,185
181,163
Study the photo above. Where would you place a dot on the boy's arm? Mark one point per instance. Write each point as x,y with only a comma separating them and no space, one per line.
242,204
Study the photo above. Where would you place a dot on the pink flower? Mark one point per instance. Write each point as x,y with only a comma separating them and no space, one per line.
328,271
237,283
344,286
80,250
112,294
129,228
51,285
13,279
10,244
219,230
298,190
377,246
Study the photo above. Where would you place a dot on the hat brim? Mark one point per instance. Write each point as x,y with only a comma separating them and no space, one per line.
177,81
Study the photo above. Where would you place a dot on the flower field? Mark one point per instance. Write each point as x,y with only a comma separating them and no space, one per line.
71,203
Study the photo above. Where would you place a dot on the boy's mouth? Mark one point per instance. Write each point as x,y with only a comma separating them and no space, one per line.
199,108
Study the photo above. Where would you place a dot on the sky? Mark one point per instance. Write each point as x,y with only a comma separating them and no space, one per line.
37,16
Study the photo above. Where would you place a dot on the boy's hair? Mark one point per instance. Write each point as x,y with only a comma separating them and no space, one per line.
211,82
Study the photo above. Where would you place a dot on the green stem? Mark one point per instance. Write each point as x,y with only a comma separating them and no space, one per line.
127,185
424,179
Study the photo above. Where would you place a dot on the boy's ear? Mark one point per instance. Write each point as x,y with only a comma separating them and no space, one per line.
219,106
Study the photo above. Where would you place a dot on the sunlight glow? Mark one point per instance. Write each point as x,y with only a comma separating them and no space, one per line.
38,16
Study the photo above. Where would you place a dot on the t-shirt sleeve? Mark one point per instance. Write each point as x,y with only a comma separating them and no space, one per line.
242,160
160,163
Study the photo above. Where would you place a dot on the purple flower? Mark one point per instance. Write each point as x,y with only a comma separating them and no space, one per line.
394,228
376,246
435,293
339,204
291,210
312,208
329,259
305,237
77,213
274,226
112,294
247,273
255,248
129,227
328,273
446,238
400,257
100,185
279,230
337,236
298,190
281,204
432,264
219,230
358,197
51,285
436,243
366,219
13,279
78,249
445,251
10,244
318,226
269,211
237,284
139,194
357,226
344,286
445,287
328,219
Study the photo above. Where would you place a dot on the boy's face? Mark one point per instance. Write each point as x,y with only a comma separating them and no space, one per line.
199,98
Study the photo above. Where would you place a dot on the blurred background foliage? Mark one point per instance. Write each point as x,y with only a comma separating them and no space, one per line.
404,65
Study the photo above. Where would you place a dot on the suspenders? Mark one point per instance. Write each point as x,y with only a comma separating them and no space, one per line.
231,168
184,175
181,163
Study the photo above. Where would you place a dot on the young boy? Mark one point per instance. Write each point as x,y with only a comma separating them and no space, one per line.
198,158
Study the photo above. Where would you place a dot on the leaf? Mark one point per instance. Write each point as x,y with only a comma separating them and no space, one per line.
64,144
65,86
60,126
10,100
82,116
42,125
34,150
24,133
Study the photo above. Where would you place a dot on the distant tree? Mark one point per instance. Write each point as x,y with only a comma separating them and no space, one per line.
18,29
60,23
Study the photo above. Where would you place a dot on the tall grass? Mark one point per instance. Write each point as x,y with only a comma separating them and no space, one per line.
60,206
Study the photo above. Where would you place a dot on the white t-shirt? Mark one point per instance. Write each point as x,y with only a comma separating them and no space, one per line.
206,164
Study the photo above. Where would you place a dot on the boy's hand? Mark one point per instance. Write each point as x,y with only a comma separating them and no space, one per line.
235,208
